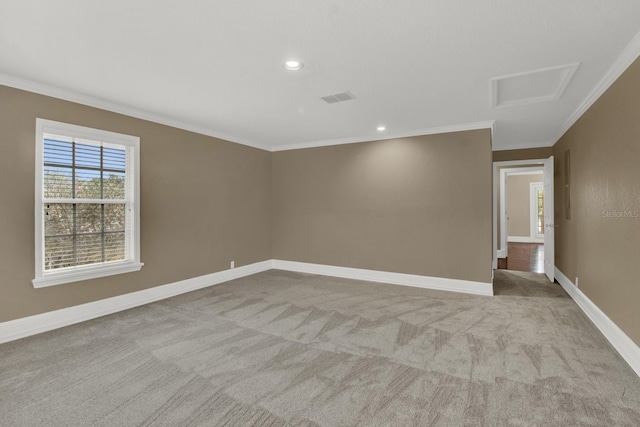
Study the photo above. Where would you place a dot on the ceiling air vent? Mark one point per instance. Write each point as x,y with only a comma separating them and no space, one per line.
338,97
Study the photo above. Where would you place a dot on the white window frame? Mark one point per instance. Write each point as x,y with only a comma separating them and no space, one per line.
44,278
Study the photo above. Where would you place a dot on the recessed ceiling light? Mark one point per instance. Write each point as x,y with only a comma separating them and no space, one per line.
381,128
293,65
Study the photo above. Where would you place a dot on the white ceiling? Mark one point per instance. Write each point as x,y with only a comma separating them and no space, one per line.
416,66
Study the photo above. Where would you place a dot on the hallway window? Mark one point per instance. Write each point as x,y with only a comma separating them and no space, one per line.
540,210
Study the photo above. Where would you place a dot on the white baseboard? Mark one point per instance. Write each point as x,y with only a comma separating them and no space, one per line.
524,239
500,253
628,349
438,283
26,326
32,325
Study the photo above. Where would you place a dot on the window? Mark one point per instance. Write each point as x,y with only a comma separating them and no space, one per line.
87,203
540,211
537,210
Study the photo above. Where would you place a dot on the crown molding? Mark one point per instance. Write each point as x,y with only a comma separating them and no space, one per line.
624,60
488,124
527,146
91,101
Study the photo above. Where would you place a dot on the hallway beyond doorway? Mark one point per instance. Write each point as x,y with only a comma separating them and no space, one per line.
525,257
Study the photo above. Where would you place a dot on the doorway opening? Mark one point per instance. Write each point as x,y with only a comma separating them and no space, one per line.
523,216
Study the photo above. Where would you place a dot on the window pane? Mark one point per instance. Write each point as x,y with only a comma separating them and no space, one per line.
57,182
114,217
87,155
58,252
58,219
114,158
540,211
58,151
114,185
88,184
88,218
89,248
114,246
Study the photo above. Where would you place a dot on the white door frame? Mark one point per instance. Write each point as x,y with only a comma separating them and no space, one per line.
549,227
500,195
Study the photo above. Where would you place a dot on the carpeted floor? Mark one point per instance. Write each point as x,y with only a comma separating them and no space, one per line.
281,348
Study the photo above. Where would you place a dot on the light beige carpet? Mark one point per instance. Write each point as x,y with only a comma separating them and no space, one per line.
281,348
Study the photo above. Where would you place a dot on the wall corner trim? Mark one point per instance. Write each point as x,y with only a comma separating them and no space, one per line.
628,349
32,325
426,282
622,62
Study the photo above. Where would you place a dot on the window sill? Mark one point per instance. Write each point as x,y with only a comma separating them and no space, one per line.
85,273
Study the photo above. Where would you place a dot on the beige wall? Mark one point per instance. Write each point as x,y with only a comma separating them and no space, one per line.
603,252
418,205
205,202
399,205
519,204
523,154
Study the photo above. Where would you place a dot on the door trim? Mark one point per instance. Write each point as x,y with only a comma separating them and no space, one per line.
496,197
549,215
